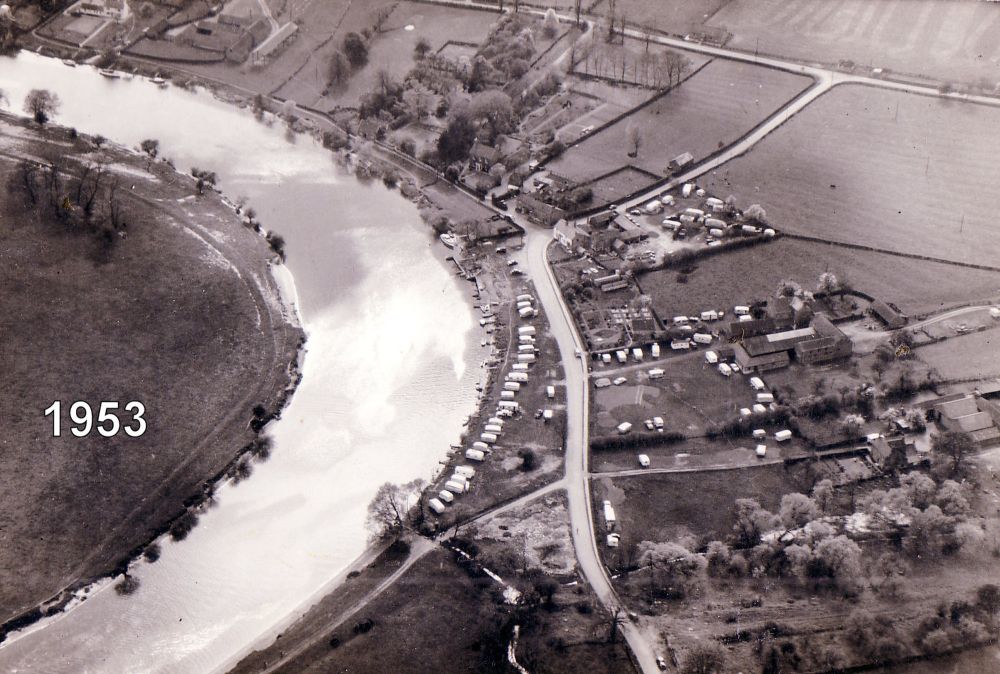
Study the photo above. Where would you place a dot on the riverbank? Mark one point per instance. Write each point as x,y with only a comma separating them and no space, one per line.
175,306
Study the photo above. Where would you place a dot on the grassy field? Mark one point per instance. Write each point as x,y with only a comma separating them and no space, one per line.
973,355
947,40
169,320
691,395
885,169
713,108
742,276
667,506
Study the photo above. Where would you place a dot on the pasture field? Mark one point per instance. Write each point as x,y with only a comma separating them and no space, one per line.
711,109
742,276
973,355
895,171
155,319
672,16
957,40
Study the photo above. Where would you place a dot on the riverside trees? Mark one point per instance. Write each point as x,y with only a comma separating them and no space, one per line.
393,509
41,104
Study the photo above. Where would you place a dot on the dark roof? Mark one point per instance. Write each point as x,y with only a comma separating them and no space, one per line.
816,344
889,315
485,152
752,328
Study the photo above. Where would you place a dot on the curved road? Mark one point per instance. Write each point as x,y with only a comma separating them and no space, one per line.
577,479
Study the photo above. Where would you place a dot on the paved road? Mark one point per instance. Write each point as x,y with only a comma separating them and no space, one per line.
577,415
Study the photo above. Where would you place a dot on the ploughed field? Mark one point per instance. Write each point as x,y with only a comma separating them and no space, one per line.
180,315
943,40
890,170
712,108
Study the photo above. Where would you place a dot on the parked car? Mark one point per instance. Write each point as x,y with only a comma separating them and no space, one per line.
635,211
618,381
644,460
649,425
661,663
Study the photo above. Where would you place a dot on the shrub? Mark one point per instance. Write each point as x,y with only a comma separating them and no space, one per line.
127,585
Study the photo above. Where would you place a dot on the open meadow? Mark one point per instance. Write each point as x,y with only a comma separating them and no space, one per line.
713,108
886,169
955,40
743,276
191,329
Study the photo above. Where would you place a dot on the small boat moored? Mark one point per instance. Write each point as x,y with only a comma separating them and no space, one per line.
69,62
110,74
449,239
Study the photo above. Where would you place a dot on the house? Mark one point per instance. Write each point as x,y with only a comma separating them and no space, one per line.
892,318
496,227
831,343
760,362
482,157
107,9
680,161
538,211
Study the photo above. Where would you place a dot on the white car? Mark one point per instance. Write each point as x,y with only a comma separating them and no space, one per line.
734,366
618,381
649,425
644,460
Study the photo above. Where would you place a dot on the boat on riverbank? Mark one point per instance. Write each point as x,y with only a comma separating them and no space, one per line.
449,239
69,62
110,74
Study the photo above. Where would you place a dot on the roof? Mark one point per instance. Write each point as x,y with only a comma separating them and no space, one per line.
887,313
825,327
816,344
985,435
482,151
975,422
682,159
778,341
752,328
958,408
745,356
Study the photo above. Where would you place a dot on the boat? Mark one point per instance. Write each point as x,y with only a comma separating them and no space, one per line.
158,81
449,239
110,74
69,62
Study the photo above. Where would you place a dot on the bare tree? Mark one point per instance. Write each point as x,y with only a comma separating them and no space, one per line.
392,509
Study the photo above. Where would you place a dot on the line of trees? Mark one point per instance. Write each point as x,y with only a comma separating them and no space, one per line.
85,198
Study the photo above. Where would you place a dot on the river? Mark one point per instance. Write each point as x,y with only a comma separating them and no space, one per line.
389,376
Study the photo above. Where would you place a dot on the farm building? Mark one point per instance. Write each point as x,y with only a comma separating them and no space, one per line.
821,342
830,345
746,329
274,42
971,414
680,161
892,318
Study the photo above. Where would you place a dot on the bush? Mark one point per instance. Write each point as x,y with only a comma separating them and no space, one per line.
529,461
183,526
152,552
127,585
